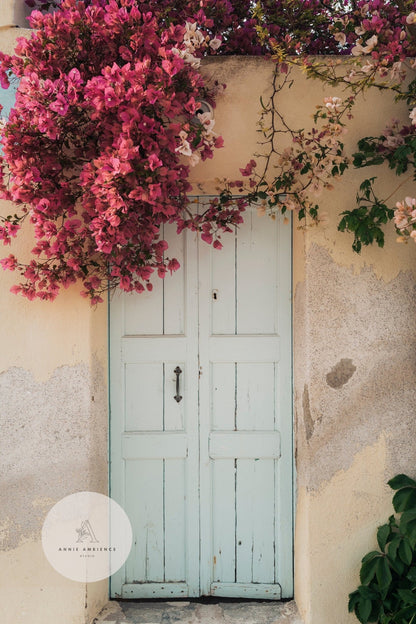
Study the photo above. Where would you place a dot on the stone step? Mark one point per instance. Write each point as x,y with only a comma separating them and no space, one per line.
199,612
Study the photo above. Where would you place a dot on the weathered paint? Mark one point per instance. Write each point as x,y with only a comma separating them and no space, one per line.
230,478
336,526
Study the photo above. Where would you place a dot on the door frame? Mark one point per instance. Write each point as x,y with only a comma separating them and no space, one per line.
286,247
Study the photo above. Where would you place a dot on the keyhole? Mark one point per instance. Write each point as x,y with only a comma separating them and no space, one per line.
215,294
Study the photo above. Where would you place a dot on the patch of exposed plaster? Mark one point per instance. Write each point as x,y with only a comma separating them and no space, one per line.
307,416
53,443
337,311
341,373
341,518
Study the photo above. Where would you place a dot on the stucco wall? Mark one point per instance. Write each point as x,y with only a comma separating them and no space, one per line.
354,370
53,441
354,347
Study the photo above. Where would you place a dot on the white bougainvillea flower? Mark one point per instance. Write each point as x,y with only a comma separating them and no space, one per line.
194,159
184,148
215,43
411,18
412,116
333,104
341,38
359,49
193,38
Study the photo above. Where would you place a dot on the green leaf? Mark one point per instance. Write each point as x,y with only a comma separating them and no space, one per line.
405,616
383,573
405,498
371,555
353,598
408,524
408,596
405,552
363,610
358,160
383,535
369,567
393,546
342,224
401,481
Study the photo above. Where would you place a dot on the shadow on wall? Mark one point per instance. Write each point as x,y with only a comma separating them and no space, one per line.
21,13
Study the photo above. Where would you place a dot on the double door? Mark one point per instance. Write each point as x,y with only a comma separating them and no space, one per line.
201,419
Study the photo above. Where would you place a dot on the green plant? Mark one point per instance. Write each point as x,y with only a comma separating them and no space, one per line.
387,594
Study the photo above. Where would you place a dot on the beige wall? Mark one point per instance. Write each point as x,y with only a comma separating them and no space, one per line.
53,442
354,370
354,347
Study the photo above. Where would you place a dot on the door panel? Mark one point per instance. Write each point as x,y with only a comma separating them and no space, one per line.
207,482
244,316
154,438
161,311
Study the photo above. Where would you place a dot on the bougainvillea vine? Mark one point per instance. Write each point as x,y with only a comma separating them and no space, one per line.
97,150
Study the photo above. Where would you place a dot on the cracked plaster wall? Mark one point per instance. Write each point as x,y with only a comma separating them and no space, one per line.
53,423
355,365
354,368
354,348
354,372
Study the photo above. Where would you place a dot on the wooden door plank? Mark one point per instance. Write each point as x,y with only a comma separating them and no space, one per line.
154,590
207,375
222,287
158,445
174,285
256,275
175,521
158,349
144,507
256,396
244,348
146,318
223,405
244,444
117,487
144,396
264,521
258,591
223,519
284,485
244,520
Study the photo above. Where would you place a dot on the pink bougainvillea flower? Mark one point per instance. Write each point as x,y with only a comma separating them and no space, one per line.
99,144
248,169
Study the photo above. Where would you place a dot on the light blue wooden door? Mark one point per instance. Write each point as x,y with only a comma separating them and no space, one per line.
207,480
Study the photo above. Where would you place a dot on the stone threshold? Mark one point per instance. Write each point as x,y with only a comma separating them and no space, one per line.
204,611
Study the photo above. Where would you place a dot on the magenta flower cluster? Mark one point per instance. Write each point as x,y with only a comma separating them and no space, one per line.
299,26
377,28
98,148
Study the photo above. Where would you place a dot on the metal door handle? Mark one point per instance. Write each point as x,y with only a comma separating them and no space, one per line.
177,372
